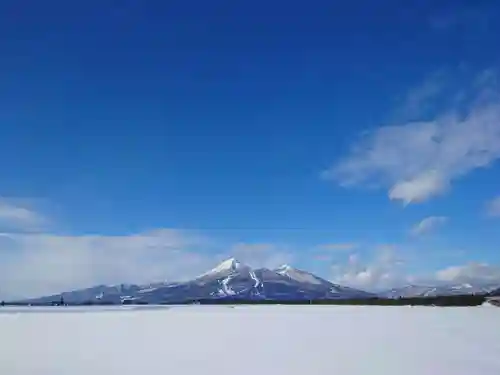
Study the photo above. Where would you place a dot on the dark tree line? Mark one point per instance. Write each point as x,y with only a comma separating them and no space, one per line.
465,300
462,300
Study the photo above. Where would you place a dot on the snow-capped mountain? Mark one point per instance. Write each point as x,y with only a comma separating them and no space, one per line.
230,279
299,275
308,278
102,293
226,268
233,279
409,291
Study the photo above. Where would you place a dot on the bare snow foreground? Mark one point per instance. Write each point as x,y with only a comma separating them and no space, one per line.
274,340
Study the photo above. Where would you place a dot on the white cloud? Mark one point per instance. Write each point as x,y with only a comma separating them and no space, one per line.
388,268
419,188
37,264
428,224
381,272
34,264
17,217
494,207
470,273
419,160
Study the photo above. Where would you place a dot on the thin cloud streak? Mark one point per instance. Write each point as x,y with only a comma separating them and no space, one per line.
428,224
419,160
493,207
14,216
338,246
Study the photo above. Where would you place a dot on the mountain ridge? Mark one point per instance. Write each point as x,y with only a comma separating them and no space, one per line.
412,290
232,279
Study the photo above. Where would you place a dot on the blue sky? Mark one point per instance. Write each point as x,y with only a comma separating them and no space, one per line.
149,140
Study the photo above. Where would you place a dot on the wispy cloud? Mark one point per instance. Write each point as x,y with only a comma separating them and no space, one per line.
389,266
41,263
471,17
428,224
269,255
14,216
421,159
382,271
343,246
419,99
33,264
493,207
36,264
328,251
470,273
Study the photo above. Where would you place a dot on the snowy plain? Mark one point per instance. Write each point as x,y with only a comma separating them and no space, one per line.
244,340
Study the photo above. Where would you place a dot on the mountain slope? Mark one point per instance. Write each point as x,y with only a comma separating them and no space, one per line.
99,293
332,290
410,291
300,276
230,279
225,268
495,293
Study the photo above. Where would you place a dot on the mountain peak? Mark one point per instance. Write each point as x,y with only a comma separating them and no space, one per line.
230,264
229,279
226,267
299,275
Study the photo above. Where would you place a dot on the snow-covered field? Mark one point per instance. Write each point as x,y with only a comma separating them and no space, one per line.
312,340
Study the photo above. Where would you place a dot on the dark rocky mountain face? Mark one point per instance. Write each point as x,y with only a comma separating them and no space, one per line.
495,293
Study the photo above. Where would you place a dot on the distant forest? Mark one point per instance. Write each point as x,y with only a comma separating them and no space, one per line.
461,300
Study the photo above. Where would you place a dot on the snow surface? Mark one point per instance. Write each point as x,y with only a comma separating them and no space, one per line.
255,279
226,288
278,340
227,266
298,275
